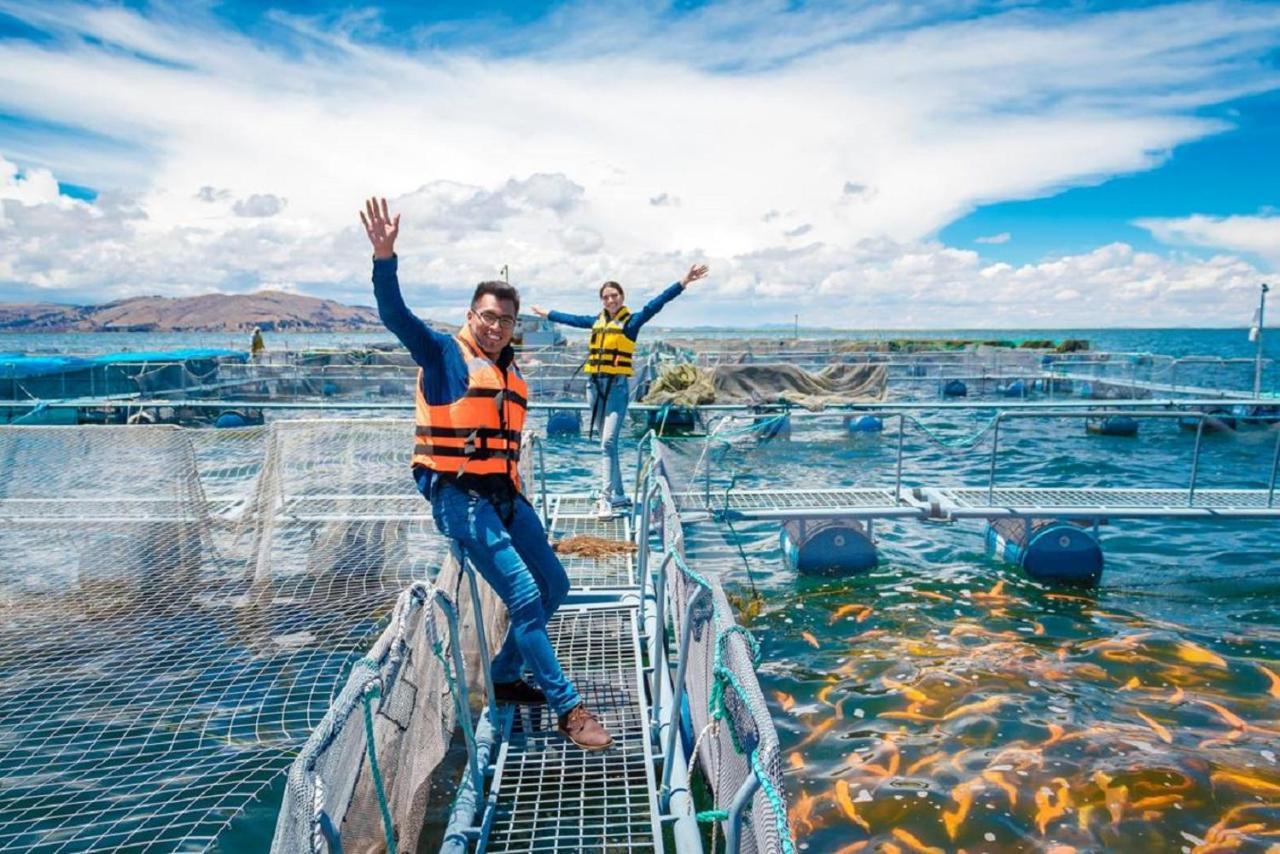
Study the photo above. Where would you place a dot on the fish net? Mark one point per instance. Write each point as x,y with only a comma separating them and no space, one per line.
362,782
833,385
179,607
734,732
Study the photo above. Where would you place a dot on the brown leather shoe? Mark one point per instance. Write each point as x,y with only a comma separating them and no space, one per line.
580,726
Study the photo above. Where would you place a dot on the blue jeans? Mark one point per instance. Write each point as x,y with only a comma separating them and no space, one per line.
518,563
609,411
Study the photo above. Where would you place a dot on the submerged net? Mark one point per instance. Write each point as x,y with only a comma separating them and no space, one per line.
177,610
363,778
736,736
833,385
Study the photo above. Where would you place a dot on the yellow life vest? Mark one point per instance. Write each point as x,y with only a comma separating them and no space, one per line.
479,433
610,350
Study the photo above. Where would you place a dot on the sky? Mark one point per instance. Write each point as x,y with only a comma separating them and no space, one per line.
870,165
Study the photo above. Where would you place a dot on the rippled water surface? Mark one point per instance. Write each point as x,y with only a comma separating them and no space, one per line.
944,701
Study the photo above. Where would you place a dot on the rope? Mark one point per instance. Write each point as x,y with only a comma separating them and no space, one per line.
387,826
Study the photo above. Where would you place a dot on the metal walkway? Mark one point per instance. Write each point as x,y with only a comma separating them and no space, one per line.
1089,503
551,796
978,502
548,794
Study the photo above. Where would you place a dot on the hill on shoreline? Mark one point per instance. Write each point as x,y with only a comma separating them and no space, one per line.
269,310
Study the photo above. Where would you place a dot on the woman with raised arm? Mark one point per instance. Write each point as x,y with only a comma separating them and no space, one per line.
608,369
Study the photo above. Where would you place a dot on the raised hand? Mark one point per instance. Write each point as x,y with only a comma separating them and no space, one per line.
539,310
381,228
697,271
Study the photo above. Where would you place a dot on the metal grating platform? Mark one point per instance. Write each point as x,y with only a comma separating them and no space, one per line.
1129,503
552,796
585,572
788,503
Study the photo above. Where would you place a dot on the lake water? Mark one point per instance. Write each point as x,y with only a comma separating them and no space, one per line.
943,701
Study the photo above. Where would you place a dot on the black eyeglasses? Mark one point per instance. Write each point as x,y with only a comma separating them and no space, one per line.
490,318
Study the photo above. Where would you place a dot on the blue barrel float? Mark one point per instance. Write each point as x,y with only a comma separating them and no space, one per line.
675,419
1112,425
1017,388
827,547
1218,421
863,424
564,422
1049,550
955,388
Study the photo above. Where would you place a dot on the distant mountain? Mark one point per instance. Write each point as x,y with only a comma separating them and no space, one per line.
270,310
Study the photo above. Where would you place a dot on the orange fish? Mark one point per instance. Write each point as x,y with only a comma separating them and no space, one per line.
1055,735
1232,719
816,733
915,844
861,612
808,636
853,847
1193,654
802,811
1274,690
963,796
1010,790
796,760
845,802
1156,801
929,594
913,694
987,705
996,592
1246,781
1115,797
924,762
785,700
1131,684
1158,728
1049,807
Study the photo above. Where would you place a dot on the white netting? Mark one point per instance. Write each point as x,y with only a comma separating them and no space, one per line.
404,689
177,610
725,751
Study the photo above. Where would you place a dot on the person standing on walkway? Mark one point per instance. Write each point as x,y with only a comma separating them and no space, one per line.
257,346
609,369
470,404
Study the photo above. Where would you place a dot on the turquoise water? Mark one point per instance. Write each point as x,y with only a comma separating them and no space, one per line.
1171,342
943,701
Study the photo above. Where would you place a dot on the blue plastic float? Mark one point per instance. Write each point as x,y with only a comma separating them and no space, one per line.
827,547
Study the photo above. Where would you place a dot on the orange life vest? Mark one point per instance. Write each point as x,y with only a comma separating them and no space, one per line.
479,433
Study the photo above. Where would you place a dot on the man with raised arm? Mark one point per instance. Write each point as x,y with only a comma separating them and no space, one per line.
470,408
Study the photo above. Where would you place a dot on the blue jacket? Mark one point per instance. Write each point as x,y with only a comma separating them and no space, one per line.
444,369
631,328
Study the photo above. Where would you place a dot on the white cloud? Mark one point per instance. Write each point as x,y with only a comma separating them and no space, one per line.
1002,237
259,205
863,129
1257,234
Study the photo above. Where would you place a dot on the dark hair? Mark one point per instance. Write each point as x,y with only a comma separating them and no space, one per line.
617,287
497,290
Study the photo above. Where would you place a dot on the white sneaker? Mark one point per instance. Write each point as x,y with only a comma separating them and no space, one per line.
604,509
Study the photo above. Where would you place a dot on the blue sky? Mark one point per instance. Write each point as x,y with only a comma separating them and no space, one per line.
928,164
